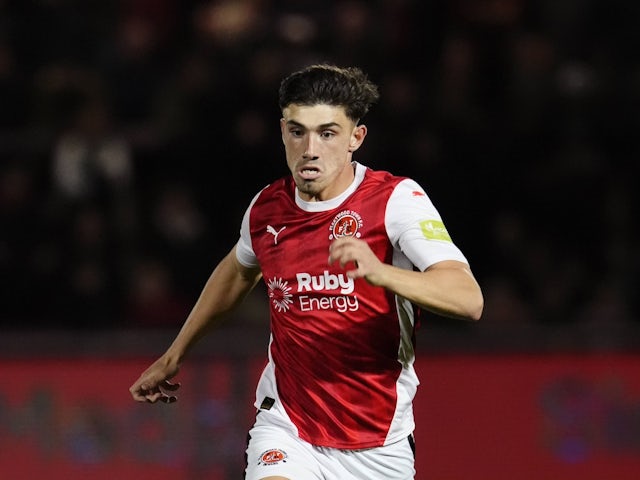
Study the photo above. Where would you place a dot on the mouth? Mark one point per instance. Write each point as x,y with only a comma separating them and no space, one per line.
309,173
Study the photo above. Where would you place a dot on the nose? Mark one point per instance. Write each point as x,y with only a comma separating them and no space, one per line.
310,149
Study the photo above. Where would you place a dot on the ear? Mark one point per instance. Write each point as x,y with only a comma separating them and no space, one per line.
357,137
282,125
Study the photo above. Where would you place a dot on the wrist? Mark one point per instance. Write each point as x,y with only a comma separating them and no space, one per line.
173,357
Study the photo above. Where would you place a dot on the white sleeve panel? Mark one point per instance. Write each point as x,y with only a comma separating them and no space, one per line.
415,227
244,248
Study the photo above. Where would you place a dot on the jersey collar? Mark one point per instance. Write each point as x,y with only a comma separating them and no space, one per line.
334,202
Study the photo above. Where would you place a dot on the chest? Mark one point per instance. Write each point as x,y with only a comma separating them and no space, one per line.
289,241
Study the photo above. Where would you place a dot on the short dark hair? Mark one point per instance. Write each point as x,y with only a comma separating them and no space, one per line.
330,85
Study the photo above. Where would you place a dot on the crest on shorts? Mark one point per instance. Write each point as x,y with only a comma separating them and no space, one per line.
272,457
345,224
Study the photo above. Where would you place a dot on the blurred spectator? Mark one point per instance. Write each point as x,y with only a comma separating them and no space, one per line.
95,212
91,162
180,234
92,165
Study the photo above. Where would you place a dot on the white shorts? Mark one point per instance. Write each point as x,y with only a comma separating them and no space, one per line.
275,451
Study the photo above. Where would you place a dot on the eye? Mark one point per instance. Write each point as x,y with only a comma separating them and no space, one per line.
296,132
327,134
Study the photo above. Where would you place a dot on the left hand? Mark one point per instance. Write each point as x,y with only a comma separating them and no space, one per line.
154,385
349,249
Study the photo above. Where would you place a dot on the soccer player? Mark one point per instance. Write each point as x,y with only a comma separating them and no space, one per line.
346,253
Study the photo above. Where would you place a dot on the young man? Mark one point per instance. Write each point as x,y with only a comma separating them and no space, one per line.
345,253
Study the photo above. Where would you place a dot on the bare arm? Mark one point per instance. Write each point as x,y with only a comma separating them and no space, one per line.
447,288
229,283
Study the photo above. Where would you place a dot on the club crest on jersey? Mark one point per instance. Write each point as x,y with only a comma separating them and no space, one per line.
272,457
345,224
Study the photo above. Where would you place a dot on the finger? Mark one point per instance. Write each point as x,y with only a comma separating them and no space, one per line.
154,397
138,397
161,398
168,399
348,257
139,392
354,274
335,248
172,387
150,392
333,255
144,393
341,255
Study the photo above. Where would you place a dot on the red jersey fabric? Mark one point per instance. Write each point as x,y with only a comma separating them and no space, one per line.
340,367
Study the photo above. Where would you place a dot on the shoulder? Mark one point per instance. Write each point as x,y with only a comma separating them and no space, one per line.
380,183
382,176
409,194
276,189
284,183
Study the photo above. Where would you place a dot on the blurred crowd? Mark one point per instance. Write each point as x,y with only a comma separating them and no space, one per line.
134,133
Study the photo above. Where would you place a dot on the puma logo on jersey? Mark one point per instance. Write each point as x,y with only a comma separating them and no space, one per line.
275,233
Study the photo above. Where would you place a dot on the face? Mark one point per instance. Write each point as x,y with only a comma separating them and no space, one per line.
319,141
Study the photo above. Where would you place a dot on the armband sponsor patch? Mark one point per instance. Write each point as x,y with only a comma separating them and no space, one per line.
434,230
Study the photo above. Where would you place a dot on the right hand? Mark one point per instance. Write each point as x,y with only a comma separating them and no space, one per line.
154,385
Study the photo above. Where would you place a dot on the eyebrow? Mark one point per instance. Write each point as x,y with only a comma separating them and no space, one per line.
324,126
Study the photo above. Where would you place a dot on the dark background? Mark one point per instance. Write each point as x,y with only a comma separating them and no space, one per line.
133,134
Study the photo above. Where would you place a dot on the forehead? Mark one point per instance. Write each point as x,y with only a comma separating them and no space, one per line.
315,115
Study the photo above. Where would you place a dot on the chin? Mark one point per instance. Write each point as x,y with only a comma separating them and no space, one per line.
305,185
308,188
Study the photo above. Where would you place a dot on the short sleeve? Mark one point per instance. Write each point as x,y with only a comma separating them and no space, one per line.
244,248
416,229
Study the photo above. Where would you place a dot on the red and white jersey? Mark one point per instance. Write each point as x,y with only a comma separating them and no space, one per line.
340,371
